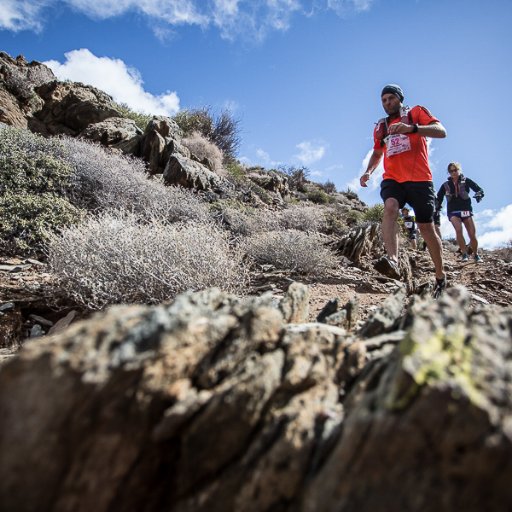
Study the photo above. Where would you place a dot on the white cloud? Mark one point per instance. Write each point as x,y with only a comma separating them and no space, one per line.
310,152
247,19
344,7
494,227
374,182
19,15
114,77
265,160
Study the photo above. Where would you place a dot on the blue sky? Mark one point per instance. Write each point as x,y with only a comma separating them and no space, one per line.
303,76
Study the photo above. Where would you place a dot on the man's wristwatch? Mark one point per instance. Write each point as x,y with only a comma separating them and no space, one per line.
414,128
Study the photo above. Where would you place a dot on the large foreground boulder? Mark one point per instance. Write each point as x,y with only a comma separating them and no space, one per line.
218,404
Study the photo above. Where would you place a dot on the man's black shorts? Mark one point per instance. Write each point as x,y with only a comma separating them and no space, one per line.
420,195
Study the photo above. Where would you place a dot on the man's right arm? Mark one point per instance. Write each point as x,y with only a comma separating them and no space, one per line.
372,165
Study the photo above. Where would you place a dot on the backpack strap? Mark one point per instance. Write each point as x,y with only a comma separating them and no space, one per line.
382,125
381,130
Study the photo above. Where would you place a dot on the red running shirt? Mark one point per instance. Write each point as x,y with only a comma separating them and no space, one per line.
410,165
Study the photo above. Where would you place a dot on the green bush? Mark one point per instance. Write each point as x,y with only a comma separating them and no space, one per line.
374,213
317,195
34,183
31,164
27,219
354,217
141,119
297,177
223,130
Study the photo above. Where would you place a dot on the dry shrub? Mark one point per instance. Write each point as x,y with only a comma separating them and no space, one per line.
205,152
104,180
246,221
114,258
304,218
304,253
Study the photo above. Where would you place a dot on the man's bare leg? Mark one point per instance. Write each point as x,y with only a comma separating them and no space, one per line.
434,245
390,228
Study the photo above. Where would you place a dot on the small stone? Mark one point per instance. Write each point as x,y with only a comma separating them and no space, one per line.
36,331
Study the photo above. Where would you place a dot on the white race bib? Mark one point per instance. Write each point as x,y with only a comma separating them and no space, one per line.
465,213
397,143
408,224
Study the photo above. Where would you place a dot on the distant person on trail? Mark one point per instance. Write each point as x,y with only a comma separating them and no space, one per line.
410,226
460,212
400,138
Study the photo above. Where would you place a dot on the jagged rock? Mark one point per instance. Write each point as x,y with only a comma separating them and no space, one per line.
70,107
295,304
153,145
386,317
358,242
190,174
19,78
346,317
116,132
10,111
217,404
10,325
165,127
271,181
428,429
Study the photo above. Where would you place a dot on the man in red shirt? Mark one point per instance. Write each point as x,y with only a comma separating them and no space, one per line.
400,138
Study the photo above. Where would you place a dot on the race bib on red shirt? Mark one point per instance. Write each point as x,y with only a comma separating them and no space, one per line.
397,143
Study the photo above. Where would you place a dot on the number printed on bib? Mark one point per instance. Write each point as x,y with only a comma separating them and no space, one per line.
398,143
465,214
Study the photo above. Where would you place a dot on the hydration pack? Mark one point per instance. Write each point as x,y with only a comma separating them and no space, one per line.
381,130
463,191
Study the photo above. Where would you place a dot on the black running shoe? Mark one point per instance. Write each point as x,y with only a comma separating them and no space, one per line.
387,267
439,287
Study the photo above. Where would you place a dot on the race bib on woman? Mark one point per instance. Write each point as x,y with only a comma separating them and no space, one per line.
465,213
397,143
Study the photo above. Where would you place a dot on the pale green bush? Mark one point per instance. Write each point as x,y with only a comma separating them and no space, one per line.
27,219
35,182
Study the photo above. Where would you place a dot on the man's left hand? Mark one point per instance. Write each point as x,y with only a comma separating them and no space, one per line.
400,128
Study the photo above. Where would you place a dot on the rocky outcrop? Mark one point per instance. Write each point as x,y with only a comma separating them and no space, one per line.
20,78
116,132
10,111
70,107
271,181
217,404
188,173
160,141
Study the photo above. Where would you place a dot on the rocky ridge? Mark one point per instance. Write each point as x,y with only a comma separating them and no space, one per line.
216,403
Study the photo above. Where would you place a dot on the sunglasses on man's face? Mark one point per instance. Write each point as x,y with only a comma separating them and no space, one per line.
453,170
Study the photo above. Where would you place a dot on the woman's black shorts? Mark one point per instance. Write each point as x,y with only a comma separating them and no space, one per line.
419,195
